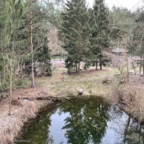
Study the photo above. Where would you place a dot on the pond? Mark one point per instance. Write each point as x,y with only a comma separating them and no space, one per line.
83,121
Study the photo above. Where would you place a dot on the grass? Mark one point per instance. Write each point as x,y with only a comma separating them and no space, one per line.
133,97
12,125
90,81
92,84
63,85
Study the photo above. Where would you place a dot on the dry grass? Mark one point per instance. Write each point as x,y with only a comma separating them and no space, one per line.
22,111
62,85
131,97
135,100
90,81
11,125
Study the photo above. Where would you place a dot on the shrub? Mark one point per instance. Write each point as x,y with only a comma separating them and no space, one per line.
21,82
4,85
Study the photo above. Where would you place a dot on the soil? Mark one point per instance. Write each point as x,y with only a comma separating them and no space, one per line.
22,110
57,86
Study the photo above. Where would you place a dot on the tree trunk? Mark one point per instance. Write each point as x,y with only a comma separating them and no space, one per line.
96,65
143,56
10,88
31,48
76,68
140,67
140,133
4,70
100,66
142,53
143,65
134,68
127,67
69,70
79,66
126,130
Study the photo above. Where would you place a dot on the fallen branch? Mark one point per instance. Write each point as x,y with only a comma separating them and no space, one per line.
50,98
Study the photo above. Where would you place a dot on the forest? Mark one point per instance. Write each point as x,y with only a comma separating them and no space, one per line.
101,51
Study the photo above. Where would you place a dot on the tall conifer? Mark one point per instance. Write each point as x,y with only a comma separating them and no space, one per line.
75,29
99,33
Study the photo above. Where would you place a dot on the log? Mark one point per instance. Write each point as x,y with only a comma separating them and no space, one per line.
37,98
50,98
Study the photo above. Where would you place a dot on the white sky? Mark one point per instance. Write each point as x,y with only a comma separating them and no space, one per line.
130,4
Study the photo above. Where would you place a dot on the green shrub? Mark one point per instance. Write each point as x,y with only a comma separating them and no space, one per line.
4,85
21,82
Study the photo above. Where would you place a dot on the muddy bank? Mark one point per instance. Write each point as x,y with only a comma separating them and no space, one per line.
28,102
22,111
25,106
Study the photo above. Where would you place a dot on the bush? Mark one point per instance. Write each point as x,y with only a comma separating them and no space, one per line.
4,85
21,82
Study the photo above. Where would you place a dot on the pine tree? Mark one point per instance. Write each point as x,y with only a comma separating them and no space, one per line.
41,53
136,45
99,34
11,14
75,29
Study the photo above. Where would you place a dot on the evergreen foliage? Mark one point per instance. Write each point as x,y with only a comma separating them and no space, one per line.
121,24
86,33
39,41
42,56
15,53
99,35
75,28
136,44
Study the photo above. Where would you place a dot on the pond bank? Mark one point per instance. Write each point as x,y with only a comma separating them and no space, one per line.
54,89
83,120
23,110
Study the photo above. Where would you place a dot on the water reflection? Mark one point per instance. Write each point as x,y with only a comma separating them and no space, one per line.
84,121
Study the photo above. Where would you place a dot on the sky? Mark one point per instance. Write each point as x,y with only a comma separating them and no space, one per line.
130,4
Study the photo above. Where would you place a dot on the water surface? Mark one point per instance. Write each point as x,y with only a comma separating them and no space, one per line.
84,121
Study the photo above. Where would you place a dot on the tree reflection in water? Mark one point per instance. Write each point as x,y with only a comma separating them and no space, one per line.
128,130
84,121
87,121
